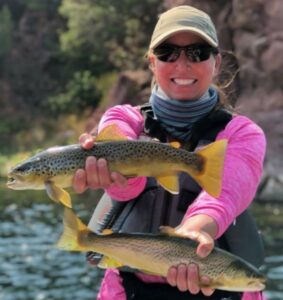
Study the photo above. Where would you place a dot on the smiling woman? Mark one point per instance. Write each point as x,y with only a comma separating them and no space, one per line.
186,106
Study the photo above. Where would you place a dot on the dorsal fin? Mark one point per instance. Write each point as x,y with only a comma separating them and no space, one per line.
170,231
110,133
106,232
175,144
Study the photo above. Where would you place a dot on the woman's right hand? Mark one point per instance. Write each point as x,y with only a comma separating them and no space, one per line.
96,174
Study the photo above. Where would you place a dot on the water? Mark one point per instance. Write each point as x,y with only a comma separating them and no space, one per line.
31,268
270,221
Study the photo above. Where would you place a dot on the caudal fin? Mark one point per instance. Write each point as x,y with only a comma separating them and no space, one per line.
69,240
211,176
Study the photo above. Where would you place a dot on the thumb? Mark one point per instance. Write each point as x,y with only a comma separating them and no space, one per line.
86,141
206,242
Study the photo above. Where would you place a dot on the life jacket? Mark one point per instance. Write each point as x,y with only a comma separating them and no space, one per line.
155,207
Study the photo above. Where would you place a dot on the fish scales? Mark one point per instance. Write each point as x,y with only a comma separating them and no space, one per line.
161,249
156,253
67,159
54,168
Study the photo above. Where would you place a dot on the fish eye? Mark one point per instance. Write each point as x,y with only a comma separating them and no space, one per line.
23,168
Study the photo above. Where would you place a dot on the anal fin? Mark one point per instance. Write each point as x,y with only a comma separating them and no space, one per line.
169,183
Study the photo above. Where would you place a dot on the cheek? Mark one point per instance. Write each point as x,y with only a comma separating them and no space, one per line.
207,71
162,71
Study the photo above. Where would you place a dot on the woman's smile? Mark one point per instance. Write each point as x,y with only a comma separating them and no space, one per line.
183,82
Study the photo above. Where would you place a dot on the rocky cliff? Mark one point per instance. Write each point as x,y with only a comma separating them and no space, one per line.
253,31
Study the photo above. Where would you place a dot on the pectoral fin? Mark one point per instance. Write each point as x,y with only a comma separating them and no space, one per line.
109,262
167,230
57,194
169,183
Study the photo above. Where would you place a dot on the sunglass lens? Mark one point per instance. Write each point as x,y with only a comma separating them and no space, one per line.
199,53
166,53
194,53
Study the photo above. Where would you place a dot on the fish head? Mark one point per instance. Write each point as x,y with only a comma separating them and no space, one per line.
241,276
26,175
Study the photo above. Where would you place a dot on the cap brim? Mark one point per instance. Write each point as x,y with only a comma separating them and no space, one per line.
169,33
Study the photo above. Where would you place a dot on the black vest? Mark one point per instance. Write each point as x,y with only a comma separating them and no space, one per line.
155,207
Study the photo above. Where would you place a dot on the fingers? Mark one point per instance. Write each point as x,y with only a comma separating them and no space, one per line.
187,278
79,181
119,179
97,175
104,177
193,281
172,276
207,291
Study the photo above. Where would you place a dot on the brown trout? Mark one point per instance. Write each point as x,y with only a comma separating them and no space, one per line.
156,253
54,168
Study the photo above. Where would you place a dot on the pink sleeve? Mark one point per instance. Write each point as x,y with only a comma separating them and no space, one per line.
130,121
242,172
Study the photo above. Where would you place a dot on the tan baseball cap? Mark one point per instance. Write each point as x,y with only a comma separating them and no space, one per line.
184,18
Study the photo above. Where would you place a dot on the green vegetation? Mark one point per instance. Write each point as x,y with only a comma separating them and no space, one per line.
58,60
6,30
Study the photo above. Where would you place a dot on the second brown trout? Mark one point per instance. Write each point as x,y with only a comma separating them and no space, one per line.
156,253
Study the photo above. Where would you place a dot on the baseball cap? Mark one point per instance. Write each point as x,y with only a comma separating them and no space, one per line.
184,18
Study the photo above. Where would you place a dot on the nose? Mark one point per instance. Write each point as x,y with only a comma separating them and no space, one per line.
183,62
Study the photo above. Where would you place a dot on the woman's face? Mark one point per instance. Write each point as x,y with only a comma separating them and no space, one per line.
182,79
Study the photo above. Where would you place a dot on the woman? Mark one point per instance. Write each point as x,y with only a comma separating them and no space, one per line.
184,59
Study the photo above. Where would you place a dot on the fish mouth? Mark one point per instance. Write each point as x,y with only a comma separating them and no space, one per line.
257,285
260,285
11,181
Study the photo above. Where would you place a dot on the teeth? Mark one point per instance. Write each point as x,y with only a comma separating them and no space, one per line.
183,81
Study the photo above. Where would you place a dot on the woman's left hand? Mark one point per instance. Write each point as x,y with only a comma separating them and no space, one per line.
187,277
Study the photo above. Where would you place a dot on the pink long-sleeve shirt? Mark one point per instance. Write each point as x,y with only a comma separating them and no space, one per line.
241,175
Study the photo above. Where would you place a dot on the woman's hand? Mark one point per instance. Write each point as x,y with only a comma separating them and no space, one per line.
187,277
96,173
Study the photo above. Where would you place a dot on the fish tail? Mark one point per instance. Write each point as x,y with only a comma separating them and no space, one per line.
210,178
73,227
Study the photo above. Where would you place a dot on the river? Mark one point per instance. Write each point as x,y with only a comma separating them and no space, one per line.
31,268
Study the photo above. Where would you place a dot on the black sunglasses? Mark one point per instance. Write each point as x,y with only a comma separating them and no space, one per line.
194,52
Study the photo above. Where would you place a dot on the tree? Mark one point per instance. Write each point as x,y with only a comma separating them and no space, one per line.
6,31
107,34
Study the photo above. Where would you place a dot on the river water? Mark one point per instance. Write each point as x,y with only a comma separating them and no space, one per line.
31,268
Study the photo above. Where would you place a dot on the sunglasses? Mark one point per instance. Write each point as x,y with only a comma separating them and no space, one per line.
194,52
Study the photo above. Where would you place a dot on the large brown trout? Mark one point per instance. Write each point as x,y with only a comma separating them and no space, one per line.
54,168
156,253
